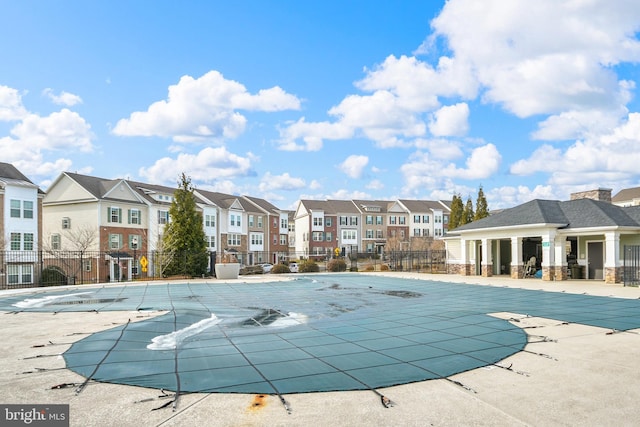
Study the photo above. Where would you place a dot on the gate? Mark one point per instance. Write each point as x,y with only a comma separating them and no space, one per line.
631,266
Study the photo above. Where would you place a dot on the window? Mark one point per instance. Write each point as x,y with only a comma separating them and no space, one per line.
55,242
211,241
425,219
446,219
402,234
283,223
275,222
369,219
20,274
401,220
259,221
66,223
283,239
369,234
343,220
114,214
163,217
135,216
257,239
378,219
317,236
251,221
28,241
328,222
437,219
275,239
15,208
349,235
392,219
28,209
425,232
115,241
416,232
317,221
354,220
416,219
15,241
379,234
328,236
86,265
209,220
233,239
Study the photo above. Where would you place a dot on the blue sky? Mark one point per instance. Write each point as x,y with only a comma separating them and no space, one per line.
326,99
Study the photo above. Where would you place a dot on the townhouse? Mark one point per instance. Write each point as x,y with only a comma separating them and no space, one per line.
20,227
367,226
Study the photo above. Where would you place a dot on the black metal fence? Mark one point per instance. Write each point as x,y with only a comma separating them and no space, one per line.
631,265
25,269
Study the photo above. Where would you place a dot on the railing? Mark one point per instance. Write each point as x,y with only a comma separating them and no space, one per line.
24,269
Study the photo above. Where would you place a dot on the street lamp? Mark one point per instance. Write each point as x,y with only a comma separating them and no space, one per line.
134,244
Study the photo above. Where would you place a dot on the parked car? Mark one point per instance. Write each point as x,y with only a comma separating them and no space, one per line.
293,267
266,267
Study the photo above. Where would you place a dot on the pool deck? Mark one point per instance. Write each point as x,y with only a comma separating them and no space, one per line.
578,376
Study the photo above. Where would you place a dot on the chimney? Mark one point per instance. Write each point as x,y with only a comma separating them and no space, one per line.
601,194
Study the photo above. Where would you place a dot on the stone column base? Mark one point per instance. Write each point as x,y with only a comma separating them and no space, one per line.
562,273
548,273
487,270
613,274
517,271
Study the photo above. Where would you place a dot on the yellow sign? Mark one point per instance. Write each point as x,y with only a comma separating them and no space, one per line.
144,262
337,251
144,269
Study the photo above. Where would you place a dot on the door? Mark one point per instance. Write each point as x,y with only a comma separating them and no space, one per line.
115,277
595,258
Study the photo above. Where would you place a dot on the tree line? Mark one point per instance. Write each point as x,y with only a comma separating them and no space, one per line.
462,214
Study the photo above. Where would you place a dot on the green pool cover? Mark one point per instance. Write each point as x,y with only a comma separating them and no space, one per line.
316,333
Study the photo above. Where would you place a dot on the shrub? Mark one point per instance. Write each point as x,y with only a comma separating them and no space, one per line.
53,276
370,268
279,269
384,267
308,266
337,265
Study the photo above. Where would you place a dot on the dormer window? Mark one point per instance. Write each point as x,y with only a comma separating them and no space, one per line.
66,223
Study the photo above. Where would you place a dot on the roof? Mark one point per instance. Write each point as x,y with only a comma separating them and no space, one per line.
580,213
626,194
424,205
9,174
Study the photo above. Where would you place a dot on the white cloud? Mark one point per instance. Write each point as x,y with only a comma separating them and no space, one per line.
482,163
375,184
11,107
450,120
354,165
596,161
399,91
425,172
61,130
209,165
543,57
203,109
284,181
64,98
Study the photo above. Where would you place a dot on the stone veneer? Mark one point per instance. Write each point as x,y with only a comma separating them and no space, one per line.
486,270
613,274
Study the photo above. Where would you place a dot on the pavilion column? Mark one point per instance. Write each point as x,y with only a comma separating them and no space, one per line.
612,265
486,266
548,256
517,267
561,266
465,267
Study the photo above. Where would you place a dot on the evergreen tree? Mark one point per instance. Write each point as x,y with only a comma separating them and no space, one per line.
456,212
467,212
482,210
184,236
